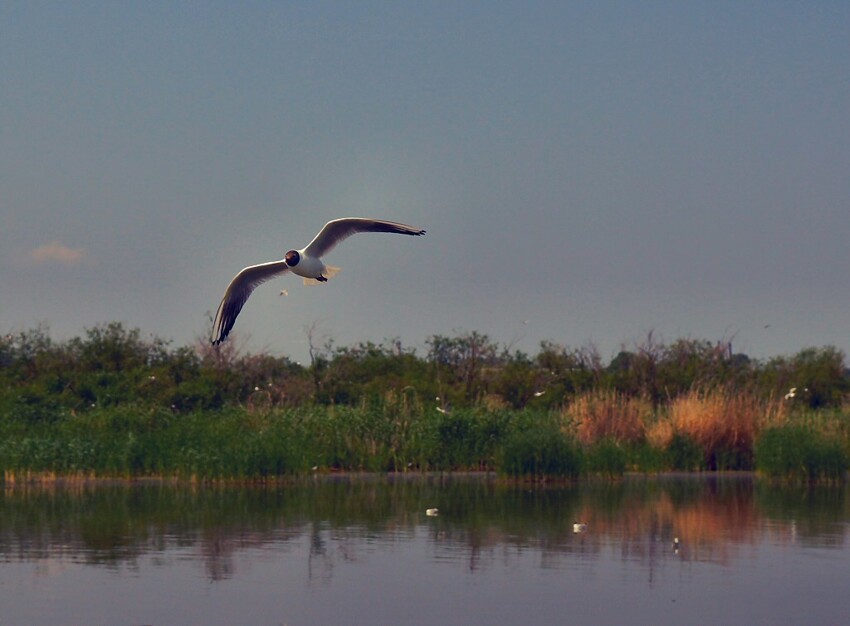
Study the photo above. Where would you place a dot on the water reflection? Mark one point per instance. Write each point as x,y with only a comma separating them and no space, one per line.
113,524
378,527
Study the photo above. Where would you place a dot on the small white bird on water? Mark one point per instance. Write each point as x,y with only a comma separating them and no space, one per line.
306,262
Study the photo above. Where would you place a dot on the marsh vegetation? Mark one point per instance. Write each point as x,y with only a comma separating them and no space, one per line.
116,403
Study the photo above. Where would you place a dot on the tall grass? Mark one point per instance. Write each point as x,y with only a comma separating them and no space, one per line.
796,453
712,428
392,435
806,446
537,447
601,433
605,414
724,424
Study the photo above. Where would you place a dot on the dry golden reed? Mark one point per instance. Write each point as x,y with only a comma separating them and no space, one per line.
606,414
713,418
721,418
660,433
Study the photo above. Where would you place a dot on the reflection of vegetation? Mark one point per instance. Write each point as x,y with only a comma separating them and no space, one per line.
814,515
120,523
116,403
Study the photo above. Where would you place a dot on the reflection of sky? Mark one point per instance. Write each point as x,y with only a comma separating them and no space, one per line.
412,579
370,555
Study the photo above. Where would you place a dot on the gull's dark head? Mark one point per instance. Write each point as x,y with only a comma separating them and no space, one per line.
292,258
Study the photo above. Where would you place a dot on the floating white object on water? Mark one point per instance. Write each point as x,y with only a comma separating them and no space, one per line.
284,292
579,528
676,545
432,512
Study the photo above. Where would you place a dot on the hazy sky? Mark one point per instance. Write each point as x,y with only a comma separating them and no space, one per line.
586,171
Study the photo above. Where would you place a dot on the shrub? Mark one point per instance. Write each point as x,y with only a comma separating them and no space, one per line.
685,454
796,452
608,458
539,452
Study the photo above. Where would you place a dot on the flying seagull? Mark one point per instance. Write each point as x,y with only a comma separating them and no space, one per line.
306,262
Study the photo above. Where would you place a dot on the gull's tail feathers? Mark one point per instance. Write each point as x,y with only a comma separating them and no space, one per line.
329,272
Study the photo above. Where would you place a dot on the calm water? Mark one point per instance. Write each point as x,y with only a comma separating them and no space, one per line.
362,551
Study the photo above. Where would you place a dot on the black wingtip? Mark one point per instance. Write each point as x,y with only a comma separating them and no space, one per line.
219,337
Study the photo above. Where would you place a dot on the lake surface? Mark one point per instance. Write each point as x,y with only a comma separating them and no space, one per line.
361,550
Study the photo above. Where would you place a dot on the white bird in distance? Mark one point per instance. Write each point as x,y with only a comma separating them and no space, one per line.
306,262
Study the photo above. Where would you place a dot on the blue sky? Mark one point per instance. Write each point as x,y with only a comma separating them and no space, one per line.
587,171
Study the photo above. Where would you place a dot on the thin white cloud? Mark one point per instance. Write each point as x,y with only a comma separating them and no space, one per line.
56,252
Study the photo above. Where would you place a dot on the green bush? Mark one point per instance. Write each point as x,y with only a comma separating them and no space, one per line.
644,457
540,452
684,454
798,453
727,458
608,458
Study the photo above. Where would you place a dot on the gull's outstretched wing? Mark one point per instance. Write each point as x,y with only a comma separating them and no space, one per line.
337,230
237,293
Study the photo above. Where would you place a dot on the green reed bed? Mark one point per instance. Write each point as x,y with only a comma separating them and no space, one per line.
810,446
238,443
396,435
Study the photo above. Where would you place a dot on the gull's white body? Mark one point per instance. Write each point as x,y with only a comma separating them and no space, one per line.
309,267
306,262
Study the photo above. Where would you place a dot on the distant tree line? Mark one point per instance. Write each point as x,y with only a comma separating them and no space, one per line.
111,365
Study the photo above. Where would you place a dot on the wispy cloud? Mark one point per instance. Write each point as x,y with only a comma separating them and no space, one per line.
56,252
